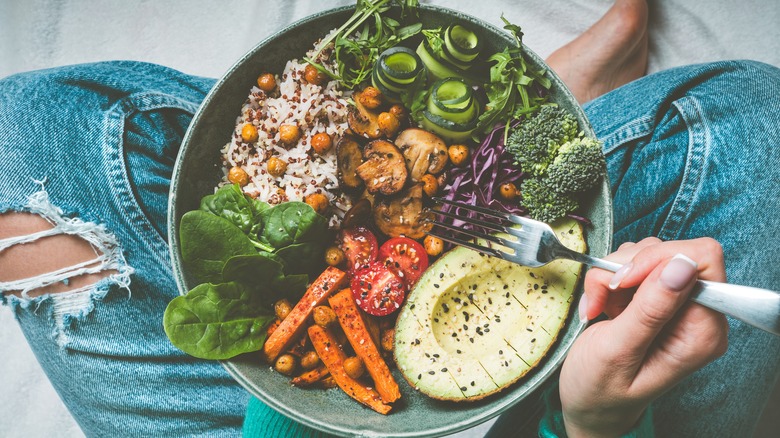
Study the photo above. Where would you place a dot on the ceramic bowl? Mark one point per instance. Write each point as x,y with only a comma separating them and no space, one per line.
197,171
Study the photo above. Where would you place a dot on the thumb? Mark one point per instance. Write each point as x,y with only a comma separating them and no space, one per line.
655,303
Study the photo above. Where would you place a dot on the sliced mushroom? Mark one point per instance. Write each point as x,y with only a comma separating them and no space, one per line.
403,214
424,152
383,168
361,120
348,157
358,214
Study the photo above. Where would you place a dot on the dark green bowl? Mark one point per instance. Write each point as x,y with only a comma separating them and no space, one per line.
197,171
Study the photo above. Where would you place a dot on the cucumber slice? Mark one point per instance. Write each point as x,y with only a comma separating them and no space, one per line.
400,64
449,130
462,43
398,69
453,100
437,68
451,93
391,95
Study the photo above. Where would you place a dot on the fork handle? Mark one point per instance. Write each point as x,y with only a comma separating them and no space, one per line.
757,307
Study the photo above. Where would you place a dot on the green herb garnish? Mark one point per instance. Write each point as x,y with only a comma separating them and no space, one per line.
366,34
510,93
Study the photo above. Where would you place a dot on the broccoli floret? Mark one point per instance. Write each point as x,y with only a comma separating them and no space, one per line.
535,142
577,166
543,203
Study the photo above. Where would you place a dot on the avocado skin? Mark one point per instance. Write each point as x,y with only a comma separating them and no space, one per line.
474,325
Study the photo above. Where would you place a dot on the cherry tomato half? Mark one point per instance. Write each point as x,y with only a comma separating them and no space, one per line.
406,257
377,290
359,246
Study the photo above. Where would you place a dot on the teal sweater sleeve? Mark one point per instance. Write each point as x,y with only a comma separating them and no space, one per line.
264,422
551,425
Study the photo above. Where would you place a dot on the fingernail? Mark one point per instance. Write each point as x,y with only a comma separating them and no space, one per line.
678,273
620,274
583,308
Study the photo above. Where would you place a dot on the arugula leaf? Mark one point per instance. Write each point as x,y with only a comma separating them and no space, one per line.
208,241
510,92
217,321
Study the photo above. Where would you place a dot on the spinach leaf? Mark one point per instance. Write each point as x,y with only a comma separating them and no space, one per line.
290,223
208,241
264,269
217,321
303,258
230,203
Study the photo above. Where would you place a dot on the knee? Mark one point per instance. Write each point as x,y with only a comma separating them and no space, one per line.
746,89
46,253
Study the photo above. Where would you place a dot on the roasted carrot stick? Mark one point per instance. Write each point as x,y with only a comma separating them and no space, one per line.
333,357
310,377
292,326
351,321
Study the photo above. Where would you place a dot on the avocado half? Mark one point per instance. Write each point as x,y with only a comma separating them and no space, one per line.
475,324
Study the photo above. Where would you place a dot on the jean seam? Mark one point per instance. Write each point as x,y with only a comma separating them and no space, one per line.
118,174
637,128
699,141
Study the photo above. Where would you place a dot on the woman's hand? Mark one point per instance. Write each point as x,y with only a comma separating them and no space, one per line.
655,337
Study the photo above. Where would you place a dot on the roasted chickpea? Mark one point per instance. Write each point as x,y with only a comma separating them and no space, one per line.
324,316
334,256
354,368
282,308
314,76
388,337
433,245
289,134
318,202
328,382
508,191
370,97
285,364
388,124
266,82
458,153
310,360
237,175
249,133
321,142
276,166
430,184
398,110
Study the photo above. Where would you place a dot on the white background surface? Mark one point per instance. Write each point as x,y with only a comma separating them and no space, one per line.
206,37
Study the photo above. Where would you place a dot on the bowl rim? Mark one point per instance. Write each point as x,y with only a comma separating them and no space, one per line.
497,406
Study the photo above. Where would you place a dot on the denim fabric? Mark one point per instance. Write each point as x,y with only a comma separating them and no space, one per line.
104,137
691,152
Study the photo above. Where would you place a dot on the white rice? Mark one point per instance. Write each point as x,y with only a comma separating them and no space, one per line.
313,109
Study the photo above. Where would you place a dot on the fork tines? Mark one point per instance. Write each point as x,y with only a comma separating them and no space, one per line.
502,224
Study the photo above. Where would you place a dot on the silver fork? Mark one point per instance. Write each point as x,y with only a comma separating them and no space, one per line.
536,245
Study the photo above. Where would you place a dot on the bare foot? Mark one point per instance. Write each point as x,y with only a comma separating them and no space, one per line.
609,54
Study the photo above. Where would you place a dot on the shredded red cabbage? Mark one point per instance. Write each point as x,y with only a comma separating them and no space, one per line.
479,183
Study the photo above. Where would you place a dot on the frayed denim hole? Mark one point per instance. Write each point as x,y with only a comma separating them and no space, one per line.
70,306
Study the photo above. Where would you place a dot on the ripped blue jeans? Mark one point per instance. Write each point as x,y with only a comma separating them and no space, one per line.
691,152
